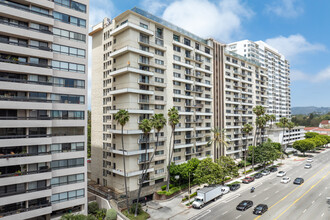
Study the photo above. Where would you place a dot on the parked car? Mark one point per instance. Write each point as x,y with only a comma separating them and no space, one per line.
308,166
273,169
248,179
244,205
258,175
234,187
265,172
260,209
309,160
298,181
281,173
285,179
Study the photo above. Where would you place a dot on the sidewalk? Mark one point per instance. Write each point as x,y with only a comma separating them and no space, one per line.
174,207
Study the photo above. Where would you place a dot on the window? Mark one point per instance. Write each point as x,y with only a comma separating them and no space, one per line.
71,67
159,171
207,50
159,52
143,25
159,32
176,83
69,34
186,41
178,75
176,91
159,152
159,89
177,58
176,37
176,100
161,71
197,46
72,51
176,66
64,180
177,158
159,107
176,48
71,4
159,80
65,196
69,19
160,62
61,164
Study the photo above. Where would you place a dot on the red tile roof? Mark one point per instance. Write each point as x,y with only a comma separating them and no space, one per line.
325,122
316,129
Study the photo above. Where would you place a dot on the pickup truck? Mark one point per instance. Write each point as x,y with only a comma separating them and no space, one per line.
209,193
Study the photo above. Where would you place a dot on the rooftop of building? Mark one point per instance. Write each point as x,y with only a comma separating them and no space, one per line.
317,129
325,122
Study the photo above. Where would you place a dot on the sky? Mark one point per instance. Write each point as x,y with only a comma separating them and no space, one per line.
299,29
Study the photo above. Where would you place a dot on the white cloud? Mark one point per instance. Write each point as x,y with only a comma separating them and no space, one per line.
153,6
294,45
322,76
285,8
206,19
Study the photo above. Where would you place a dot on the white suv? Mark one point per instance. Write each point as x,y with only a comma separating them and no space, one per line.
308,166
309,160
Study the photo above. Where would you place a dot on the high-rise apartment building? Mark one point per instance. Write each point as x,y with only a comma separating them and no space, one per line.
146,65
43,95
239,85
278,71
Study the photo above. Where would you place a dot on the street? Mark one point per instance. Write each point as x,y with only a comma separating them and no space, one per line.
285,201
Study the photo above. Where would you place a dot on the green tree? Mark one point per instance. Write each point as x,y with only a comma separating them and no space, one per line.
219,141
272,119
100,214
258,111
247,128
209,172
304,145
122,117
311,134
283,124
228,166
266,152
173,119
111,214
74,217
145,126
93,207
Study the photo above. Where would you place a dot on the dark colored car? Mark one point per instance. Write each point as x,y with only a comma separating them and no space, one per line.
258,175
298,181
234,187
244,205
260,209
273,169
248,179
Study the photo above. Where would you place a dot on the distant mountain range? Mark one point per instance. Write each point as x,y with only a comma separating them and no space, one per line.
309,109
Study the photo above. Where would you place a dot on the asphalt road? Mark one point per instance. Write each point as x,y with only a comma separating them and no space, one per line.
285,201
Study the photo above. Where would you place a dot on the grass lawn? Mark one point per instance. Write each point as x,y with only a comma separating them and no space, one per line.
142,215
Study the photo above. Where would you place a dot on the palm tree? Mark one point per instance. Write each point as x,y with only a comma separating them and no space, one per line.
173,120
158,122
122,117
290,126
272,119
261,123
258,111
219,140
146,127
247,128
283,123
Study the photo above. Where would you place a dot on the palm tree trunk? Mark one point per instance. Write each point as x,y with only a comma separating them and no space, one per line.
245,158
125,180
144,174
169,161
255,143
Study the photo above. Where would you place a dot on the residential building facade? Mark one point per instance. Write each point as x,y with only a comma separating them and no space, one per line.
146,65
286,137
278,71
239,85
43,109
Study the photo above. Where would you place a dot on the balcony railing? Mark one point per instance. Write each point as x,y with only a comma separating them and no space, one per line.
25,191
25,209
20,7
15,155
26,99
25,45
25,173
40,118
24,63
25,27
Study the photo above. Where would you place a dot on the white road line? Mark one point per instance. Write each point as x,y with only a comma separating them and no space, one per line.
277,191
224,213
320,194
254,196
322,214
266,198
207,212
238,216
313,201
266,189
304,210
232,198
326,187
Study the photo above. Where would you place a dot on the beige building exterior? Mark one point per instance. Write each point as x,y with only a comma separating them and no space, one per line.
239,85
146,65
43,109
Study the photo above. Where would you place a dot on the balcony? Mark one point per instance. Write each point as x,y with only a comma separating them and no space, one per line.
24,158
128,49
128,69
131,90
24,213
128,25
147,42
182,45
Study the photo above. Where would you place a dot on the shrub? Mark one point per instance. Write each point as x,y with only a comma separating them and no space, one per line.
248,171
132,209
164,187
191,196
111,214
93,207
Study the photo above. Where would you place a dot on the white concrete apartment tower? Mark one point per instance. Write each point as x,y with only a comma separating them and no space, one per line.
278,71
147,65
43,108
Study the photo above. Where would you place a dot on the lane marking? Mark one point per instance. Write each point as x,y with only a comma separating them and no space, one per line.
320,194
277,191
224,213
207,212
266,198
266,189
322,214
302,196
232,198
304,210
313,202
238,216
254,196
293,190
